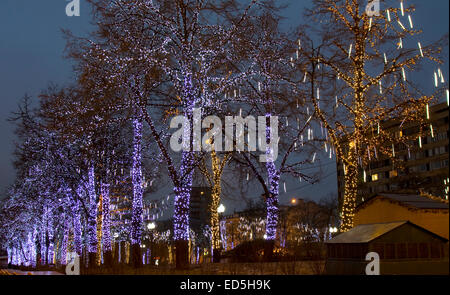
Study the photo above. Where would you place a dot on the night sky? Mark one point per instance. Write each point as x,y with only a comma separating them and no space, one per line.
32,56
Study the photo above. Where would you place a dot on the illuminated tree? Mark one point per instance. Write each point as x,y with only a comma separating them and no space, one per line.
358,77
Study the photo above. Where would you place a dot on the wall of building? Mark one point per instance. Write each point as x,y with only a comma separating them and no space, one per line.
382,210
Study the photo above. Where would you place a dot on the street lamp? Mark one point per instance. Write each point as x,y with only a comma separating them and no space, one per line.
221,208
151,225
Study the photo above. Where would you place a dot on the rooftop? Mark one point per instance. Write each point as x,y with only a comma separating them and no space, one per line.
410,200
365,233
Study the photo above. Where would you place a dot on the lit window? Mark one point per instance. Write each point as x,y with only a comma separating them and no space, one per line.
393,173
374,177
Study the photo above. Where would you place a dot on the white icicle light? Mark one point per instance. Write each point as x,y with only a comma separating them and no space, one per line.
403,74
364,176
350,50
428,111
385,58
381,89
401,25
314,157
400,44
431,129
435,80
393,150
284,185
401,8
410,21
388,15
420,48
420,141
370,24
304,78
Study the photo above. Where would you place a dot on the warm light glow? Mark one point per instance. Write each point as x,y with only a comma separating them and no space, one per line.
151,225
221,208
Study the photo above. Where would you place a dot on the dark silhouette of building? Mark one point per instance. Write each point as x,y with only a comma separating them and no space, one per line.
200,204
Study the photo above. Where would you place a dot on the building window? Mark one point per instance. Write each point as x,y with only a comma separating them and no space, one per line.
393,173
374,177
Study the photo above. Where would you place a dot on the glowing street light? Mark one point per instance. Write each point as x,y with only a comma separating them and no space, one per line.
151,225
221,208
293,201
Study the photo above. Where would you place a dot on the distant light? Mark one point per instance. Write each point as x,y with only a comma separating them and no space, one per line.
116,235
221,208
265,237
293,201
151,225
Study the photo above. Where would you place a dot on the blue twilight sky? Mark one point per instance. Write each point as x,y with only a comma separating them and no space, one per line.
32,49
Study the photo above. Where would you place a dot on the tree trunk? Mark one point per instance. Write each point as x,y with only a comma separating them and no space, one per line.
350,195
182,254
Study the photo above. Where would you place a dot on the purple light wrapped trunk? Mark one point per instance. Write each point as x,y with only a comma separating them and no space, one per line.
137,211
92,217
106,225
273,183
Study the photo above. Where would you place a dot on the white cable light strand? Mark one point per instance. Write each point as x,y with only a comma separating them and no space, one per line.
410,21
401,25
420,48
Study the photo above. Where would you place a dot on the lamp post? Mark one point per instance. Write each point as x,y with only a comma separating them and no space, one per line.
151,226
